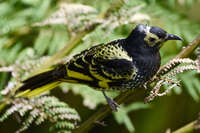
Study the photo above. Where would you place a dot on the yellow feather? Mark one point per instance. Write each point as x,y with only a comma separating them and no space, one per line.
21,94
103,84
78,75
28,93
96,75
77,65
83,59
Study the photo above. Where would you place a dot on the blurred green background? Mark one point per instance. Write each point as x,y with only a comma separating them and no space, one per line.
31,29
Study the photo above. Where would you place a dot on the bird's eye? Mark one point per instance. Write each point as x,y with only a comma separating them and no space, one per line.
152,39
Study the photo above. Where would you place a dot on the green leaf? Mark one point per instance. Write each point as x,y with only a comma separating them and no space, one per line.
43,42
122,118
188,83
122,115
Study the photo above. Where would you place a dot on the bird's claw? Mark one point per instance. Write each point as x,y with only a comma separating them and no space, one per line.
113,105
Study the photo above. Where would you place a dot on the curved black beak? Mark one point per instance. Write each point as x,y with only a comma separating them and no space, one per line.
173,37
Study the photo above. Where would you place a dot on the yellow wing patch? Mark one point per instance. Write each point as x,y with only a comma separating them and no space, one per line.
78,75
103,84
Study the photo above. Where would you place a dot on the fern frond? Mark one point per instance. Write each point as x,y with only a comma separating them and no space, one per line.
75,16
175,62
20,70
181,69
41,109
164,76
171,83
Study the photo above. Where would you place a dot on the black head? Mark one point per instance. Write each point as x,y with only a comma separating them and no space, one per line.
152,36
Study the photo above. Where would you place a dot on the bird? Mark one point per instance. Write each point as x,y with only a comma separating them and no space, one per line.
119,65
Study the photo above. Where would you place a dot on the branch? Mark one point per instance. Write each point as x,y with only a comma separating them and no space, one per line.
189,128
189,49
103,112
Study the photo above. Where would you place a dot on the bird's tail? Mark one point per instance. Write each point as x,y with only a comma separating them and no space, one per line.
41,82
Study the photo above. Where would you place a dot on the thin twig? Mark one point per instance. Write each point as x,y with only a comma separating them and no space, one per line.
189,49
189,128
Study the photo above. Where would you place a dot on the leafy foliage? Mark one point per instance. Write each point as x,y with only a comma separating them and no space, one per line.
122,115
44,108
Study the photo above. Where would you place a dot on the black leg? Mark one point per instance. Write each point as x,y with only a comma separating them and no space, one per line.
113,105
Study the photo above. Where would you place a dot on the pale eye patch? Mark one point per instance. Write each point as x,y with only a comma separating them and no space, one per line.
151,39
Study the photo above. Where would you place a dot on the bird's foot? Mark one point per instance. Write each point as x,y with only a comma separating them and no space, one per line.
113,105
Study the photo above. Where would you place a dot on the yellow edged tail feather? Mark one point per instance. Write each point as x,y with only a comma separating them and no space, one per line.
31,93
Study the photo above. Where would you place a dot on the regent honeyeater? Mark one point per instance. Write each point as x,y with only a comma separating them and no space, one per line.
122,64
